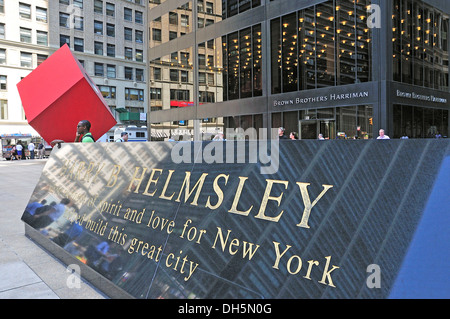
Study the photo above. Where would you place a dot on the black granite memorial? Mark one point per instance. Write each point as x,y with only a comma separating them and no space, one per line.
294,219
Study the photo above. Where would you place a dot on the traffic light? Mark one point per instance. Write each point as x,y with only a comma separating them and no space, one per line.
370,120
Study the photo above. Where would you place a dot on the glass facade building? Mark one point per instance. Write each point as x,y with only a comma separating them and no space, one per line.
341,68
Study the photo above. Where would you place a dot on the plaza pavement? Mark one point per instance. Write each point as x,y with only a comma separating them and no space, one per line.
27,271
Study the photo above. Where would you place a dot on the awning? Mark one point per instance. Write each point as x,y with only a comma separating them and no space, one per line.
18,129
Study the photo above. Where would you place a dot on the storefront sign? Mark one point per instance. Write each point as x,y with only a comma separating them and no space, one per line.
329,96
422,97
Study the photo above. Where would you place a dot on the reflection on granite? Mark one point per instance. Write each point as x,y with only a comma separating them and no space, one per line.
160,227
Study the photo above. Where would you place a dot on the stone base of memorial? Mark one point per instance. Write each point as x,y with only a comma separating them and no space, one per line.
279,220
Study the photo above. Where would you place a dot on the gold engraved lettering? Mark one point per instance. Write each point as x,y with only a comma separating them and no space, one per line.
233,208
113,178
138,179
307,202
150,181
266,198
218,191
188,192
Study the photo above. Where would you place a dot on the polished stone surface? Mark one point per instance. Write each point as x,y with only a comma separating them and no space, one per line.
195,220
27,271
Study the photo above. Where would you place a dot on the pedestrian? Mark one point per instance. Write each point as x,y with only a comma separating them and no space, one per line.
47,214
40,149
13,153
292,136
320,137
19,149
31,149
281,135
123,137
382,136
83,134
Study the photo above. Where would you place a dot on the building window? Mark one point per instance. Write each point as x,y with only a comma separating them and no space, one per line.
110,50
98,6
320,46
111,71
139,36
138,17
78,23
157,74
129,54
110,9
174,75
202,78
98,27
419,41
41,14
179,95
156,34
24,10
232,8
184,76
78,44
201,61
98,48
26,59
108,92
128,34
242,63
128,73
173,18
140,75
78,3
174,57
172,35
2,30
155,93
41,58
419,122
2,6
2,56
134,94
128,14
3,109
64,39
184,20
3,81
110,30
42,38
139,55
64,20
99,69
25,35
209,8
200,22
184,59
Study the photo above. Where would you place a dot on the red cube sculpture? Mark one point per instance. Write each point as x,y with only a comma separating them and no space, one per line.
58,94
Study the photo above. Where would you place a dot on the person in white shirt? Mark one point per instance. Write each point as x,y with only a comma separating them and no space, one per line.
382,136
31,149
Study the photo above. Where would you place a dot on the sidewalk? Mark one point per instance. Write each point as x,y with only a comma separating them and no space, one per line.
27,271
